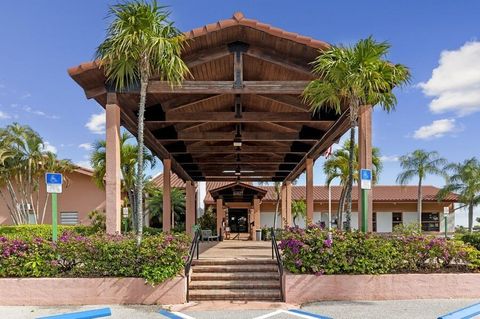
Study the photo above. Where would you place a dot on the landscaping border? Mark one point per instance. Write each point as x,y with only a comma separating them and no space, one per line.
89,291
300,289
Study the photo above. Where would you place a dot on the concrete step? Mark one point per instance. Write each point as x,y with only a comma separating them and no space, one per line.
235,294
234,284
202,262
235,276
235,268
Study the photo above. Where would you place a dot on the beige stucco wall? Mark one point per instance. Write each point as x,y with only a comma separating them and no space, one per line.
81,195
301,289
89,291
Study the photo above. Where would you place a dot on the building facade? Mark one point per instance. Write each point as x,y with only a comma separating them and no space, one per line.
80,196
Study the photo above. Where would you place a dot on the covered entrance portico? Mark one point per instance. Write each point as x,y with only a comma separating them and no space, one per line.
238,208
239,116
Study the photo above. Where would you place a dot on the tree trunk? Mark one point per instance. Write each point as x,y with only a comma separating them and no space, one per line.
131,199
139,179
277,204
419,202
341,206
470,217
350,178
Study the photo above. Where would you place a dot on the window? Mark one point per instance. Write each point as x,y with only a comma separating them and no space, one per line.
430,222
374,221
396,219
69,218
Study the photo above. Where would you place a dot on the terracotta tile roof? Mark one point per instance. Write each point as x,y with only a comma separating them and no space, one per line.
238,18
381,193
175,181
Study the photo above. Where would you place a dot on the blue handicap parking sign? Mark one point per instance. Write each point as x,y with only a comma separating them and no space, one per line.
366,174
53,178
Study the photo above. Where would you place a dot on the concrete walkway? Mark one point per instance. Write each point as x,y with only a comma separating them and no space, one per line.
235,249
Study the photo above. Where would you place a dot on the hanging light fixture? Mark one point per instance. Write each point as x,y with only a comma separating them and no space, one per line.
237,140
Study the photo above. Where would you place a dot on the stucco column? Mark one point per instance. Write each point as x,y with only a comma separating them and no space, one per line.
220,215
309,189
256,215
284,204
167,202
365,160
113,172
190,206
289,203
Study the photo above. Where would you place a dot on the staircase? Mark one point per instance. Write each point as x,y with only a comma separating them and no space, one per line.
235,279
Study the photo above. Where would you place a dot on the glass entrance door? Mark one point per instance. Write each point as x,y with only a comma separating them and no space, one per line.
238,220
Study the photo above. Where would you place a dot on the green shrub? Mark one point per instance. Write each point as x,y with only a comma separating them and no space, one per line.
158,258
208,220
42,231
472,239
317,251
98,220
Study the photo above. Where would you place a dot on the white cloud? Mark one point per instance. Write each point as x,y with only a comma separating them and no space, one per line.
437,129
31,110
85,146
47,147
96,124
25,96
85,164
389,158
455,83
4,116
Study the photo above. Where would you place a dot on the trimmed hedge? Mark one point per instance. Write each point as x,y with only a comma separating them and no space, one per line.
158,258
42,231
314,251
472,239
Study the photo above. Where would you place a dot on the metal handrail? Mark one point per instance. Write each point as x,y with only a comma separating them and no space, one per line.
276,253
194,247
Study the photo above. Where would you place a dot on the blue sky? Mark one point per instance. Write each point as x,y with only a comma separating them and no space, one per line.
438,40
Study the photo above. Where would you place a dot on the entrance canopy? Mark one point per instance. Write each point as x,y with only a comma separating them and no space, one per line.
240,114
238,192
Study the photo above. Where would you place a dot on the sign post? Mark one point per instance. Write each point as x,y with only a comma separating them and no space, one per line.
54,187
365,185
446,211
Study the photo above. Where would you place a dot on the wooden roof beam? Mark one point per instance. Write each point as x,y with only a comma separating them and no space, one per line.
205,56
228,136
294,117
284,61
227,87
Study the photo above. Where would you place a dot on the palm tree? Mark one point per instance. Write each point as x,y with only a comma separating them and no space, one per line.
337,167
420,163
128,167
141,43
357,76
464,180
155,205
299,210
24,164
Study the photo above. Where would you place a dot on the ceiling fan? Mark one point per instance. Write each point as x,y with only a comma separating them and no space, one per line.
237,171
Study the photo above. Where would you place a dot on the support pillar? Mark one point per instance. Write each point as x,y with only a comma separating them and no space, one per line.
365,161
220,215
284,204
113,171
309,189
289,203
256,215
190,207
167,202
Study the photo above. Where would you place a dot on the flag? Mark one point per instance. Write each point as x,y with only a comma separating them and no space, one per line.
328,152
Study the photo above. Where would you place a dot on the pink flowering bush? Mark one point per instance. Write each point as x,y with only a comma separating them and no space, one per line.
158,258
316,251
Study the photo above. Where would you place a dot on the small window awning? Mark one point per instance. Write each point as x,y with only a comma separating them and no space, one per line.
238,192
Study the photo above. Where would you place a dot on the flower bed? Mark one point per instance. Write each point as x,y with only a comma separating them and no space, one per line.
158,258
314,251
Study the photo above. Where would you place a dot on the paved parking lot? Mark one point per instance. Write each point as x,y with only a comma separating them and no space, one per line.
398,309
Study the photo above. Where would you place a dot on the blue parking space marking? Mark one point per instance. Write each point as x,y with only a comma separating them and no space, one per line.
463,313
312,315
173,315
89,314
